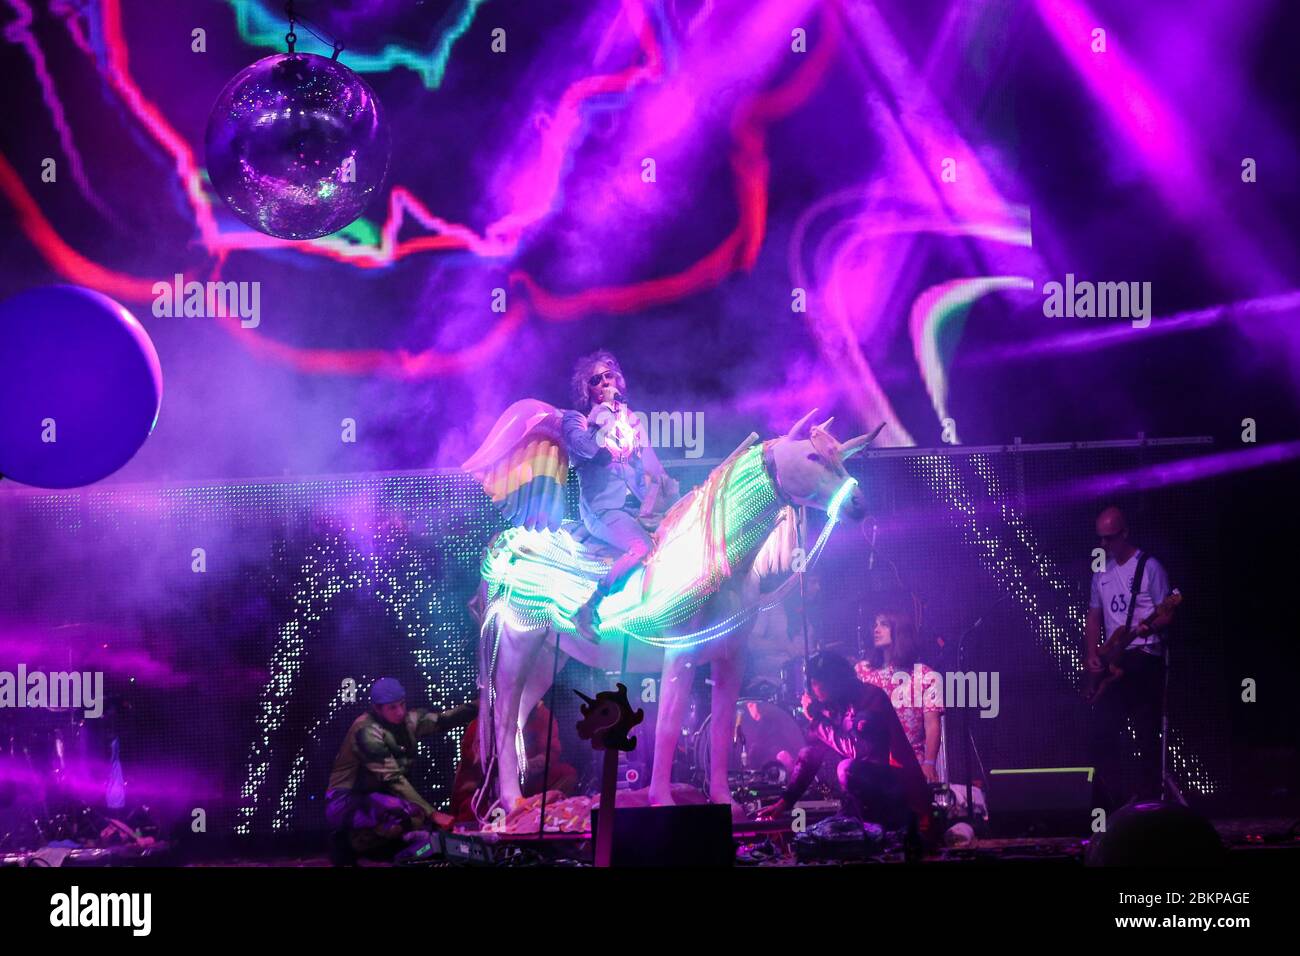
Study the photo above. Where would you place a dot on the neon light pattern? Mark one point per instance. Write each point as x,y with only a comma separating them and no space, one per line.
535,194
19,32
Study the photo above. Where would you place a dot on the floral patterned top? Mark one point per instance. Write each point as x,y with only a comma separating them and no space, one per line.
913,695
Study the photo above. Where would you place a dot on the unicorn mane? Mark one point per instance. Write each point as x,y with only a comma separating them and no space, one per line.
776,556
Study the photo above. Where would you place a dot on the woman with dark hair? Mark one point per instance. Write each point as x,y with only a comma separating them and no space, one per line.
915,689
856,722
834,674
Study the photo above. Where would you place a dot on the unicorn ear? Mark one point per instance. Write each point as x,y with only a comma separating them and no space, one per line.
802,427
825,426
855,445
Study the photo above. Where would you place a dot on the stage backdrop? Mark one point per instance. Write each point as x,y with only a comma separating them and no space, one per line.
233,621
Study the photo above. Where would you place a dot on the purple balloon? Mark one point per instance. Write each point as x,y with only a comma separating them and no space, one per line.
297,145
78,367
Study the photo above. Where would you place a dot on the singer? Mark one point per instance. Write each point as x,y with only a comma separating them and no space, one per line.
623,488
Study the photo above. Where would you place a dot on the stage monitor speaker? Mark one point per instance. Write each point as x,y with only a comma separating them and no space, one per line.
695,835
1034,802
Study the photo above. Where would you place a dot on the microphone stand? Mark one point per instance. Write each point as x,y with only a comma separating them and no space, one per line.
1168,785
970,752
801,533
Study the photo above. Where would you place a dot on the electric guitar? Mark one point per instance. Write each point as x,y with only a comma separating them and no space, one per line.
1096,683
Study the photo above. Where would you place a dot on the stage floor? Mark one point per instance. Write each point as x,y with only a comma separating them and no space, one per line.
1250,841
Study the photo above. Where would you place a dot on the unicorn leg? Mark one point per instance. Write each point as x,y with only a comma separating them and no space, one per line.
538,681
515,660
674,693
726,673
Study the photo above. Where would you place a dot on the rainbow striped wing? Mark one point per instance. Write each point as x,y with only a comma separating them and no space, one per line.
523,465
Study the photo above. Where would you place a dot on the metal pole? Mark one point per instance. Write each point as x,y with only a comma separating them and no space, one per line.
550,727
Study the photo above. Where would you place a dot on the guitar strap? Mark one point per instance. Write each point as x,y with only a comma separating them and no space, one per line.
1137,586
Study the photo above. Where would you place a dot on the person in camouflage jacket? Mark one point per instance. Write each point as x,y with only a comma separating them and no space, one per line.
370,798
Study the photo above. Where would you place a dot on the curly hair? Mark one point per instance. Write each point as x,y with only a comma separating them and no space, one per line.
582,371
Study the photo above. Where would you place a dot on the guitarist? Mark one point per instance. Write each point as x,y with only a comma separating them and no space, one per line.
1126,594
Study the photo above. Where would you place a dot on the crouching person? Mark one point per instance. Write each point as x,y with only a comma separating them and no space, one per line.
370,803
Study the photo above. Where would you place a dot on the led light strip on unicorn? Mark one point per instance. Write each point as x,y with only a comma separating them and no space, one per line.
735,621
539,578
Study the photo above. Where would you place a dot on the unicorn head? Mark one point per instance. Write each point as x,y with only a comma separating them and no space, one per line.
607,718
809,466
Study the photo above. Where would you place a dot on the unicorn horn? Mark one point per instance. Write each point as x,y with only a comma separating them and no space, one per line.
800,428
855,445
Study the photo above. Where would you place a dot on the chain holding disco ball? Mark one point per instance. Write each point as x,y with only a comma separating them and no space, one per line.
297,143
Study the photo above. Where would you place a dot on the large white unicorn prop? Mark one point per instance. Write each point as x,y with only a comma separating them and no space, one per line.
693,601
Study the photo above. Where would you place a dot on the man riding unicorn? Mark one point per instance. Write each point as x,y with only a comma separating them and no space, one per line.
623,488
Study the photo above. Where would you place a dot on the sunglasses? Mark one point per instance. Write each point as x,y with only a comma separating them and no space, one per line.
601,376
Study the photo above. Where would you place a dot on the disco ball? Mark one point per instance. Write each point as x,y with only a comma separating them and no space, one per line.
297,145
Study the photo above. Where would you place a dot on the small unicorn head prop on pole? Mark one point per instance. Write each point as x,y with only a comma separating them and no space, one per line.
607,719
606,722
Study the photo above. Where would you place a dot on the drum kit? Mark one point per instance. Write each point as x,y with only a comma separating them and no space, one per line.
52,762
38,750
767,734
56,761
